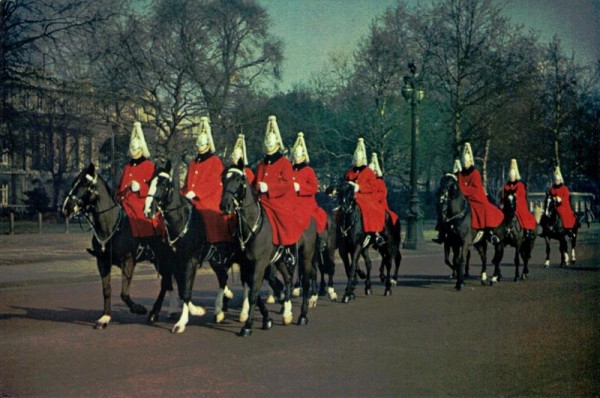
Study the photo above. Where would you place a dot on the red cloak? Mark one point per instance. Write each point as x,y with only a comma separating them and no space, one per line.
373,213
524,216
280,202
204,179
564,206
306,178
141,171
483,213
382,195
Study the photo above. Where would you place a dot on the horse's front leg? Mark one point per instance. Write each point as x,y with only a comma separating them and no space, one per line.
573,245
564,251
497,260
166,284
220,271
460,269
368,266
309,297
482,250
547,262
287,292
104,270
186,286
255,284
517,259
351,272
126,278
387,260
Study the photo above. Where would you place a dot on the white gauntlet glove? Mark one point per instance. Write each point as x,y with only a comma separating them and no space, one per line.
190,195
558,199
356,187
262,186
135,186
297,187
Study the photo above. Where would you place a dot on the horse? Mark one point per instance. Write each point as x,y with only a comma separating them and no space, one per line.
354,242
455,216
254,233
186,238
113,242
552,228
516,237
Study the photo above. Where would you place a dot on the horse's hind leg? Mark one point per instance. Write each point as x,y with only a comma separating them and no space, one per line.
221,272
573,245
368,266
126,277
496,260
564,252
255,284
517,260
482,250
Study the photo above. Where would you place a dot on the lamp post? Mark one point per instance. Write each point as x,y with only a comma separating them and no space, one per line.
413,94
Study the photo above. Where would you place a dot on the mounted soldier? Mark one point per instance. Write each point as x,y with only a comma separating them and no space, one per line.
306,186
439,226
203,186
275,186
485,215
518,190
562,199
133,189
364,181
381,188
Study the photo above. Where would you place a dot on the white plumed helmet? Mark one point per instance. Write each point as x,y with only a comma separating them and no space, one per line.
374,165
513,171
137,141
239,151
205,136
273,136
360,154
299,151
468,159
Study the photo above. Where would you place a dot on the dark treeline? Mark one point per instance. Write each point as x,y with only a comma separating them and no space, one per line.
168,62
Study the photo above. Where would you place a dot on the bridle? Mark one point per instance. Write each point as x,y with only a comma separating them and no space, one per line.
158,200
239,206
445,198
347,206
87,208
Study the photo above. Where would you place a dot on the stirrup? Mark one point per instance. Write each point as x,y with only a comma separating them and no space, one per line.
478,236
289,258
366,241
379,241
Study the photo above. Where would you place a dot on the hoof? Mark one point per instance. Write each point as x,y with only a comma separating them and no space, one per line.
152,318
302,321
100,325
346,299
245,332
524,276
287,320
267,324
368,291
243,318
139,309
219,317
458,287
296,292
394,282
387,292
178,329
228,294
270,299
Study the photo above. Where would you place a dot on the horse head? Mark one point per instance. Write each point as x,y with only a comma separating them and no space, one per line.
509,204
160,191
550,207
346,196
448,191
83,195
235,185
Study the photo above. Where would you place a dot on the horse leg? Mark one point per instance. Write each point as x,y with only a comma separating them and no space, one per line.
185,294
287,293
482,250
166,284
387,258
351,273
368,266
267,321
255,284
564,252
547,262
573,245
126,277
497,260
245,304
518,249
306,290
397,261
461,266
221,273
104,269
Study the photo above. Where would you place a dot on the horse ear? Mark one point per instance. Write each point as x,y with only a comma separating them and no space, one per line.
91,170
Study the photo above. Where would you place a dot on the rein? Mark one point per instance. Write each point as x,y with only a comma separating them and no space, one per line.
186,228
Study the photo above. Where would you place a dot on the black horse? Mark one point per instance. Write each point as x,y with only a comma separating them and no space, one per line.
455,216
552,228
113,242
255,237
516,237
325,260
354,242
186,238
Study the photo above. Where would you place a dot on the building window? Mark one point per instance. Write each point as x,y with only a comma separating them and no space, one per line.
4,195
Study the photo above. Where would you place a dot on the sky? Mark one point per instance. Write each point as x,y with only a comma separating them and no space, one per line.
312,29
